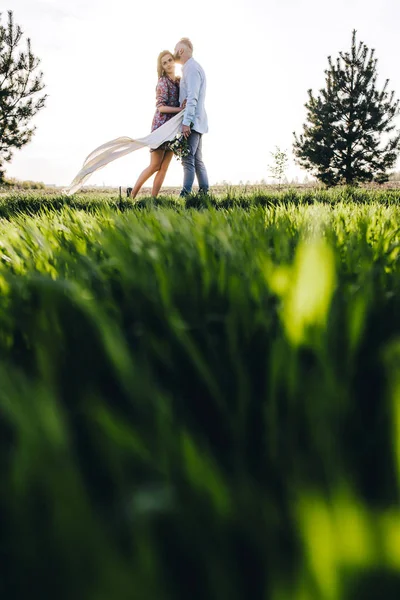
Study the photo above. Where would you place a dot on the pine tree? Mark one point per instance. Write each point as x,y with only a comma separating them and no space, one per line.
20,84
346,138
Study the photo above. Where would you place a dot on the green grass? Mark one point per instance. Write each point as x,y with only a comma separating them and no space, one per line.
20,202
200,399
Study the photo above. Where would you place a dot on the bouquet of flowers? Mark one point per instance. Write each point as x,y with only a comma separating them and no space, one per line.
179,146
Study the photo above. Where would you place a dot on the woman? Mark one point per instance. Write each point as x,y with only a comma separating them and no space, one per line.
167,103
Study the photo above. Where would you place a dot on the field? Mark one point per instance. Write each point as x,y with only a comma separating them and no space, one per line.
200,399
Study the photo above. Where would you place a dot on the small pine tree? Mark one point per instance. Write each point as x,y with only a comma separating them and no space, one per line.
346,139
19,86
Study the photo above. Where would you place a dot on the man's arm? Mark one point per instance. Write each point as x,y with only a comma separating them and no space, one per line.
193,82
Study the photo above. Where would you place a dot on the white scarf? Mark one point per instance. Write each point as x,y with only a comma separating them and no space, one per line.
101,156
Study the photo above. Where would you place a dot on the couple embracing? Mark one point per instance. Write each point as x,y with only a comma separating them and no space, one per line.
174,96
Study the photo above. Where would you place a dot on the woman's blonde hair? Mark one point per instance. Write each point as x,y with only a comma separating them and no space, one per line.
160,70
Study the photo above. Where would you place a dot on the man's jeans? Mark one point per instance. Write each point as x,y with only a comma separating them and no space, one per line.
193,165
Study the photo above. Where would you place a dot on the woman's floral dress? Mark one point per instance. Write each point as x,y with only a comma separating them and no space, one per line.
167,94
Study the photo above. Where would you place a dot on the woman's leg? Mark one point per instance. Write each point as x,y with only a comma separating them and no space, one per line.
159,178
156,158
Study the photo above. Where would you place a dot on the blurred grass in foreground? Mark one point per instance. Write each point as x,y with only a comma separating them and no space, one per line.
201,404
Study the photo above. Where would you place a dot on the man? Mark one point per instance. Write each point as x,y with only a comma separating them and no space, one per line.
195,123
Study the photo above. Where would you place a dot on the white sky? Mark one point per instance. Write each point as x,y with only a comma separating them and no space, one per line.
260,57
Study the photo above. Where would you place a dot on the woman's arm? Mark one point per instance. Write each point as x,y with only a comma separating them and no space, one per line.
170,109
162,98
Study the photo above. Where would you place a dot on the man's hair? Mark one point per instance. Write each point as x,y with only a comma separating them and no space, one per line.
187,43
